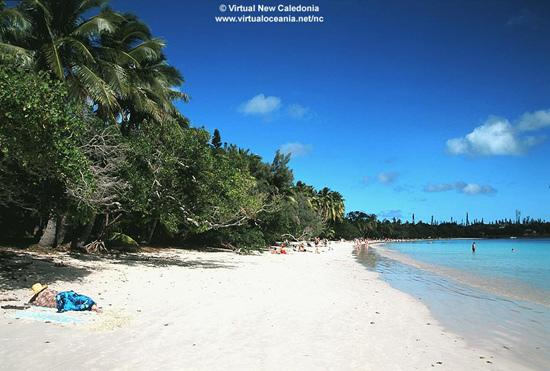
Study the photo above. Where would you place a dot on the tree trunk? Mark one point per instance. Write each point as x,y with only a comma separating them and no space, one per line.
152,230
85,234
48,235
62,230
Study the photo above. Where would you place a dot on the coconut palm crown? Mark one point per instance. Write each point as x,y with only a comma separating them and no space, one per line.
106,59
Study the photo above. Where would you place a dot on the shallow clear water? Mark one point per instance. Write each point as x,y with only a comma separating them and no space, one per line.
496,299
529,263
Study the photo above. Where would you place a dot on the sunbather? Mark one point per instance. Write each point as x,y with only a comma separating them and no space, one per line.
64,301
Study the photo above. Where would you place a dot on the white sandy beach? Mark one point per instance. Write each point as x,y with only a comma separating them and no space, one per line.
185,310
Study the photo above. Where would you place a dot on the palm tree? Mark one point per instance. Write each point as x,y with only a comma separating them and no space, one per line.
330,205
308,191
60,40
14,25
338,208
109,60
133,64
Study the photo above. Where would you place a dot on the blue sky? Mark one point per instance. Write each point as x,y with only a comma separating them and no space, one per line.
436,107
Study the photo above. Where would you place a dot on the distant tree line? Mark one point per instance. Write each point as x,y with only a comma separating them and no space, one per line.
366,225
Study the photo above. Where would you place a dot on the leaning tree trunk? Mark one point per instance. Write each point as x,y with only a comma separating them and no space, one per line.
62,230
152,231
85,234
48,235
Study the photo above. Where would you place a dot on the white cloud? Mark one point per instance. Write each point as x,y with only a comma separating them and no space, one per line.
261,105
387,177
533,121
296,148
439,187
471,189
297,111
389,214
476,189
498,137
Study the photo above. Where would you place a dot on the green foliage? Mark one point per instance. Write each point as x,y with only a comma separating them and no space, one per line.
246,238
294,219
368,226
281,175
216,139
123,240
39,132
346,230
176,179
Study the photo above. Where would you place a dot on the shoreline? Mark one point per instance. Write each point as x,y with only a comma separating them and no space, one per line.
178,309
504,287
463,306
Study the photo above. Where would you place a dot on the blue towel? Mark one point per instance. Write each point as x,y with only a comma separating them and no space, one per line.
41,314
70,300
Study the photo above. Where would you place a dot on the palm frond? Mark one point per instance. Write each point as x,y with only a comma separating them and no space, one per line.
91,4
98,90
35,4
77,46
134,36
148,50
51,55
117,56
14,18
94,26
22,56
175,95
115,76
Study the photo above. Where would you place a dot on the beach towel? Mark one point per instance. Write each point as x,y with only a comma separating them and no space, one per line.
70,300
42,314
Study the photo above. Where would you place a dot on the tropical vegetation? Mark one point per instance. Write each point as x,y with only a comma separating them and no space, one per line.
94,153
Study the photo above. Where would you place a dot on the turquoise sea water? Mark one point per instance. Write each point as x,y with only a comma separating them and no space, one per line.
495,298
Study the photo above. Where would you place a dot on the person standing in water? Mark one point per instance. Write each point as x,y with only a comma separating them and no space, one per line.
474,247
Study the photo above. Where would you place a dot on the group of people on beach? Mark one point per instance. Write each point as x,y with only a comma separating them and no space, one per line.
308,246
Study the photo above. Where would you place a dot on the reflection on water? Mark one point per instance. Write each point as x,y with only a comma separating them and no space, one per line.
367,256
510,327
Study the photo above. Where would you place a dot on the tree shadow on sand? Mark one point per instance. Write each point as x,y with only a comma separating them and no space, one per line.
20,270
156,261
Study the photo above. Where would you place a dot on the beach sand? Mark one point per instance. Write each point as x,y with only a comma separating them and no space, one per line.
187,310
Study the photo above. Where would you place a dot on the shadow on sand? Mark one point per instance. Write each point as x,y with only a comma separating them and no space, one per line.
20,269
155,260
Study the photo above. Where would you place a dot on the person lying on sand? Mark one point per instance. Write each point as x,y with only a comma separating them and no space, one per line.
64,301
